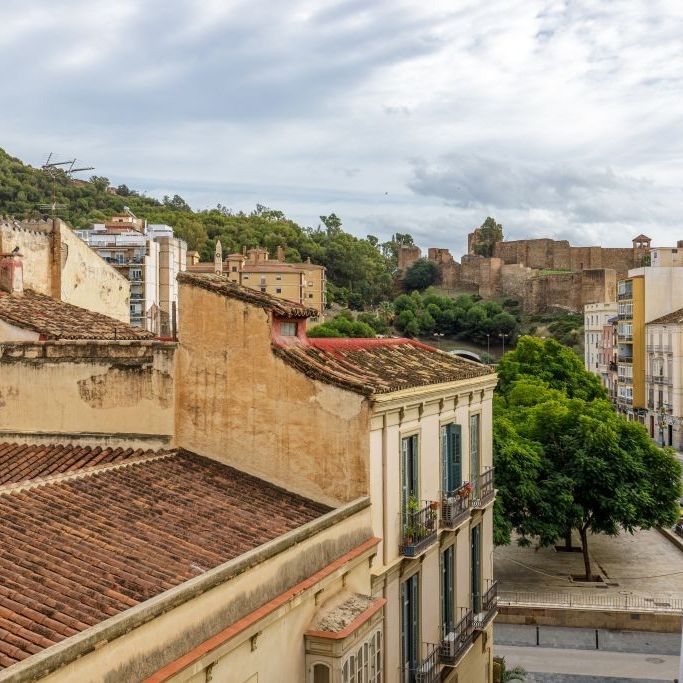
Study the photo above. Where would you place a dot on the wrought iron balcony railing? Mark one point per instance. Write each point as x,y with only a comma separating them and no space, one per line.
485,490
659,379
455,506
428,670
457,638
418,529
485,606
659,348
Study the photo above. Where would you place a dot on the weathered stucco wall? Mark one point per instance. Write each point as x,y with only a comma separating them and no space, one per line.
89,282
240,404
71,391
33,241
66,268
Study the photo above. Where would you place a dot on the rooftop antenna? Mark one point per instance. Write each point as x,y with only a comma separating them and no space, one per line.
50,167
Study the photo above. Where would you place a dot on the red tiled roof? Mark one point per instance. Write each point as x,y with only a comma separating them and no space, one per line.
21,462
377,366
221,285
55,319
674,318
77,551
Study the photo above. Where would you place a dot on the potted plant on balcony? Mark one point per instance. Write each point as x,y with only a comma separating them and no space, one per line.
465,490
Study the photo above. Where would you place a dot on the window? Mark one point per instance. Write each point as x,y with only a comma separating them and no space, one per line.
321,673
263,289
278,277
288,329
364,665
310,296
278,290
409,469
451,458
448,589
475,568
234,269
474,450
410,625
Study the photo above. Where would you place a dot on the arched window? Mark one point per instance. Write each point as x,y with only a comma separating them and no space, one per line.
321,673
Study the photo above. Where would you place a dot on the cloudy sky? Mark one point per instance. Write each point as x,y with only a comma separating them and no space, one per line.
559,118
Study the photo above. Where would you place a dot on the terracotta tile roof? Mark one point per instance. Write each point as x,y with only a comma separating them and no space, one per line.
377,366
674,318
54,319
219,284
21,462
78,551
201,267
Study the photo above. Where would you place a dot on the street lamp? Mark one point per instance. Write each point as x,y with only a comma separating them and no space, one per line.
503,335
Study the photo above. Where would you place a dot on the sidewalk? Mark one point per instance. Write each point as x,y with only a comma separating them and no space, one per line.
604,665
645,563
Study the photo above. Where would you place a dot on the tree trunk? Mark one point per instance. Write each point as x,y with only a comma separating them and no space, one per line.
586,557
568,539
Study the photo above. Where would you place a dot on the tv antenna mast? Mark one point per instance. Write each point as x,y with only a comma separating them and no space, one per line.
51,167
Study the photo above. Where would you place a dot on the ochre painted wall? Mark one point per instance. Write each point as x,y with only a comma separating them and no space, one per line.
66,389
87,281
239,403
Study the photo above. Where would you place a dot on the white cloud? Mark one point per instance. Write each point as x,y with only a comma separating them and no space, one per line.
559,118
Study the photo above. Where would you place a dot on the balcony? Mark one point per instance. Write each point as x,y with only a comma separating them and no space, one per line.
427,670
625,400
659,379
659,348
625,296
418,528
456,639
455,506
485,606
625,380
625,337
485,491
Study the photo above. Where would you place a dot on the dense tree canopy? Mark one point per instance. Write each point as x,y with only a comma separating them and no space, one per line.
462,317
566,460
420,275
360,271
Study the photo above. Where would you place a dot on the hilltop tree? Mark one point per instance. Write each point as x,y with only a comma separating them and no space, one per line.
420,275
566,461
488,234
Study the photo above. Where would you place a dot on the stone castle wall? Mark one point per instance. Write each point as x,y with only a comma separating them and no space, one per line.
582,274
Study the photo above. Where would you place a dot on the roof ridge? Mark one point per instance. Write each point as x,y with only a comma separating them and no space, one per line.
28,484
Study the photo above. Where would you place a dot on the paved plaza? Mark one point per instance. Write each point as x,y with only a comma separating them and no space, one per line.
645,563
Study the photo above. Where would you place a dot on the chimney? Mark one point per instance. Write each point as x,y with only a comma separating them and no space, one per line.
12,272
280,254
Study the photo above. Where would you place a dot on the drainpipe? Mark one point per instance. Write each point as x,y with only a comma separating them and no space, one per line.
385,492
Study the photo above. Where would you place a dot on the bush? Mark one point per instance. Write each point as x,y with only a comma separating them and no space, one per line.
342,326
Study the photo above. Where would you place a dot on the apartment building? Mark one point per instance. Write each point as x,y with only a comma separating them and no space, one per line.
664,379
304,283
334,419
598,343
150,258
646,294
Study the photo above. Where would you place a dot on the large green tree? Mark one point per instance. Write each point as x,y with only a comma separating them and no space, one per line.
566,461
488,234
420,275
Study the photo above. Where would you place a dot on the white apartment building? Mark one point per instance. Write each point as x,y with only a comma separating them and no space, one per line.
150,257
664,379
597,347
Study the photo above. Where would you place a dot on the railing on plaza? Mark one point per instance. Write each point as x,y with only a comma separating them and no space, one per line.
418,529
484,490
643,603
457,638
455,505
428,670
485,606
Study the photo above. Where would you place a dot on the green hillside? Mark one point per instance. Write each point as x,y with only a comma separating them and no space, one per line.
360,271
